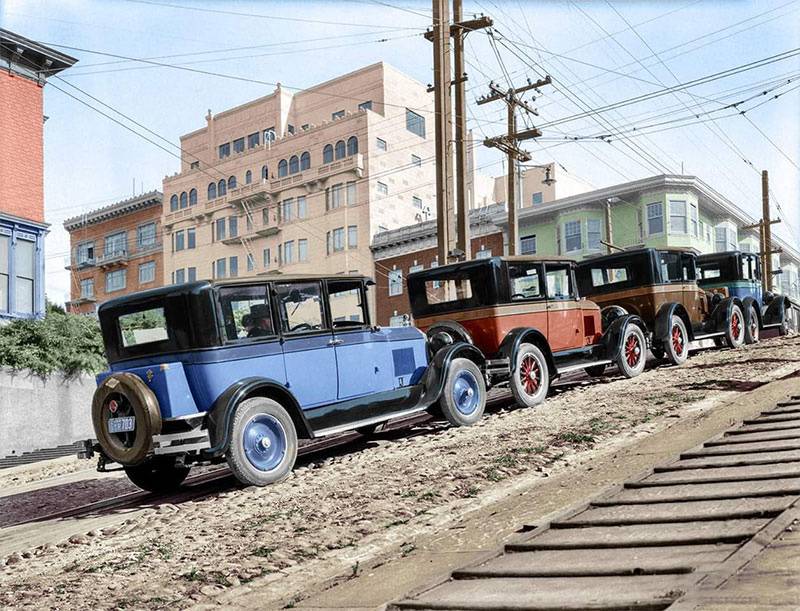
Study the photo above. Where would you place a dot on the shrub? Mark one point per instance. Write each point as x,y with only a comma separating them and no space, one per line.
60,342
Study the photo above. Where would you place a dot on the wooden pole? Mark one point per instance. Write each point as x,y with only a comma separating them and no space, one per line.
462,203
766,245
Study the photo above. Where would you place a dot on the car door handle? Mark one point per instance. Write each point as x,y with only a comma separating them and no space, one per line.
335,342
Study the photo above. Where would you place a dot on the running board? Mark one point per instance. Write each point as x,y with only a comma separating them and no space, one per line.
580,366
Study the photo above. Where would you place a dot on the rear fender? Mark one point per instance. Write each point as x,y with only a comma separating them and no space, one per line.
525,335
457,331
664,320
220,417
611,313
614,336
775,312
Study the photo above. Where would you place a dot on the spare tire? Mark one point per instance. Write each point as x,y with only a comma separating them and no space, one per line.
124,395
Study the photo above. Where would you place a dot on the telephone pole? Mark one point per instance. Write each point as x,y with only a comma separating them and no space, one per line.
452,213
764,227
509,144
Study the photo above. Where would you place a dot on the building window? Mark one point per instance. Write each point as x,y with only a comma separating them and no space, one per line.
380,144
352,146
527,245
416,161
339,114
383,189
84,254
251,263
693,218
333,197
233,226
191,241
248,221
340,149
365,105
232,182
417,201
290,129
87,288
267,258
269,135
305,161
222,188
253,140
193,197
351,193
147,272
179,276
264,172
192,274
327,153
288,252
173,203
572,236
184,200
338,239
395,282
238,145
115,281
483,253
287,210
116,244
265,217
212,191
224,150
352,236
283,168
302,250
219,225
302,209
248,177
415,123
294,164
179,241
677,217
233,266
593,234
24,265
146,235
195,165
655,218
537,198
220,268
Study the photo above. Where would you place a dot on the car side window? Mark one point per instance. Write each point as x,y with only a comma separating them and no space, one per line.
559,282
346,299
524,280
671,268
245,312
688,269
300,306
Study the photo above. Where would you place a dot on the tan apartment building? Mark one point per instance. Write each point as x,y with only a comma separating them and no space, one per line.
115,250
297,182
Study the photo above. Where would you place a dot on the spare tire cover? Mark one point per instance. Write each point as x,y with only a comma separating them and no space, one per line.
119,395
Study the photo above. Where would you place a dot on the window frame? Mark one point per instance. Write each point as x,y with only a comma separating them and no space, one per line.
325,326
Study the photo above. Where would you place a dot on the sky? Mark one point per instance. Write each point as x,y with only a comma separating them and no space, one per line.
598,54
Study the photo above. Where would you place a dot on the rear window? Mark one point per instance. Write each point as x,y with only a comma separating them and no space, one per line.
609,275
144,327
448,291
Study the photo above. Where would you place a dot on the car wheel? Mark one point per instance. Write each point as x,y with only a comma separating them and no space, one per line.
263,444
751,326
595,370
677,344
464,396
159,474
530,380
734,331
633,353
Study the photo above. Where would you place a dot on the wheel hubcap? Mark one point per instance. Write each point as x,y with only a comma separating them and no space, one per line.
677,340
530,374
466,393
264,442
633,350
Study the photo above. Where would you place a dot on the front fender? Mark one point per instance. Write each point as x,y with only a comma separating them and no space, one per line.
749,304
220,416
436,374
511,342
614,336
775,312
664,320
721,313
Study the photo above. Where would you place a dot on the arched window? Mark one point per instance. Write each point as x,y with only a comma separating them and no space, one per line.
340,149
212,190
305,161
192,197
264,172
283,168
327,153
294,164
232,182
221,188
248,177
184,200
173,203
352,145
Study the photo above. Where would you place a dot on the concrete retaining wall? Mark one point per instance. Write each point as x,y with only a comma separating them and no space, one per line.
37,413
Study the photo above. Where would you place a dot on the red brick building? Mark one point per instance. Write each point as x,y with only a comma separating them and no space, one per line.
24,66
401,251
115,250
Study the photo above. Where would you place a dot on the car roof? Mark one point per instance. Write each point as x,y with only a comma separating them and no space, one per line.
712,256
493,261
632,252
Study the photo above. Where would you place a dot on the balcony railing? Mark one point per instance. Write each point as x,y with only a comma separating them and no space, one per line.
116,256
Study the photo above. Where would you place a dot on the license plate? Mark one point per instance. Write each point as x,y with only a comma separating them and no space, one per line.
122,424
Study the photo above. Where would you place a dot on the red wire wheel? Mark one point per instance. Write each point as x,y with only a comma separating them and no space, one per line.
736,325
678,340
529,374
633,350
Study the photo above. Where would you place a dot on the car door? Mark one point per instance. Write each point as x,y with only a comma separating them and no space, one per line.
308,347
694,299
564,316
362,354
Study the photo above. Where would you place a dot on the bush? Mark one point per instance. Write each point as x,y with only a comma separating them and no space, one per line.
60,342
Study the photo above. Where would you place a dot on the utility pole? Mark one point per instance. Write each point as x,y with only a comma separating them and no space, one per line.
764,227
452,216
509,144
609,236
